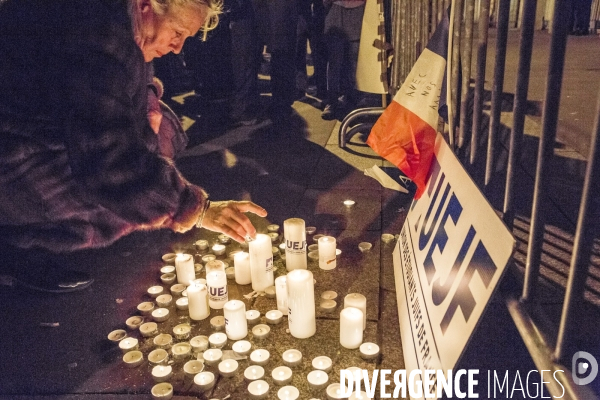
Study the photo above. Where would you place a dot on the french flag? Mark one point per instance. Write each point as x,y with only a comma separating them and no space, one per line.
405,133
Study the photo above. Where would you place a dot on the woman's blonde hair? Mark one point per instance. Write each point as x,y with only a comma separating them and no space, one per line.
214,9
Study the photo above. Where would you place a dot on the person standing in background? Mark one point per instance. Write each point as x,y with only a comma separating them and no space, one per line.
311,23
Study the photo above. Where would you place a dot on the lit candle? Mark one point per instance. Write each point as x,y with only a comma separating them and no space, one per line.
273,228
177,289
281,294
212,356
145,308
328,305
218,323
199,343
163,341
182,303
270,292
218,249
351,327
155,291
329,295
208,257
128,344
160,314
184,265
193,367
292,357
149,329
217,289
288,393
258,389
252,316
260,357
204,380
282,375
133,358
224,239
182,331
273,236
158,357
334,392
217,340
236,325
261,263
274,317
198,300
275,251
230,272
369,351
162,391
241,262
214,265
242,348
164,300
327,256
356,395
349,203
322,363
359,301
317,379
117,335
201,244
301,303
254,372
181,350
228,368
260,331
134,322
162,373
167,269
295,243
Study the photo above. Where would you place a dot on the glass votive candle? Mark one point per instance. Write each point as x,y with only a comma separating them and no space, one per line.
133,358
258,389
134,322
261,331
292,357
167,269
163,341
252,316
282,375
205,380
182,303
201,244
117,335
164,300
181,350
149,329
270,292
155,291
328,305
182,331
242,347
212,356
162,391
218,249
334,392
158,357
193,367
329,295
260,357
228,368
199,343
146,307
317,379
160,314
128,344
254,372
274,317
162,373
217,323
322,363
217,340
288,393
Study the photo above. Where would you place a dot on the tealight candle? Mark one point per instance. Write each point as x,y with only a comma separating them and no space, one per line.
258,389
288,393
201,244
193,367
198,300
228,368
364,247
317,379
167,269
160,314
301,303
369,351
260,331
164,300
217,340
162,373
217,289
133,358
212,356
145,308
254,372
322,363
217,323
351,327
356,395
134,322
387,238
270,292
184,265
162,391
236,325
208,257
327,256
182,331
224,239
317,237
272,228
282,375
241,262
117,335
275,251
273,236
214,265
205,380
169,258
149,329
260,357
292,357
313,247
158,357
328,305
177,289
155,291
230,272
310,230
181,350
128,344
199,343
359,301
281,294
252,316
334,391
274,317
231,254
261,263
163,341
218,249
295,243
329,295
182,303
313,255
242,348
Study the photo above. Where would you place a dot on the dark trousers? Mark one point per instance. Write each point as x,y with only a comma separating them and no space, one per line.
311,24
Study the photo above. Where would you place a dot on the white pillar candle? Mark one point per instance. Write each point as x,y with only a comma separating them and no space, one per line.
258,389
228,368
214,265
236,325
322,363
217,340
359,301
274,317
252,316
242,348
197,296
327,256
205,380
288,393
199,343
254,372
212,356
292,357
301,303
162,373
184,265
260,357
128,344
162,391
369,351
217,289
241,262
317,379
281,294
261,262
351,327
295,243
282,375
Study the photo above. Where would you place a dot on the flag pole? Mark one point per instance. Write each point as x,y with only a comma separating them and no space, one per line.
449,78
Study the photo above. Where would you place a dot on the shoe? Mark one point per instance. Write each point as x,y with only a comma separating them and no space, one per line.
329,113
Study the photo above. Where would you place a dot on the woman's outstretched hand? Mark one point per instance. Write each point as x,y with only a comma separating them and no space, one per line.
228,217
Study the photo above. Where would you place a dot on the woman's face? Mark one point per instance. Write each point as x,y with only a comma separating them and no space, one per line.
161,34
